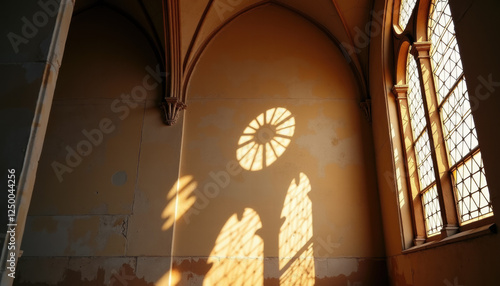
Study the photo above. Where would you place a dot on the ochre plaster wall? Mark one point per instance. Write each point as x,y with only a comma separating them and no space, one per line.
100,221
273,59
310,216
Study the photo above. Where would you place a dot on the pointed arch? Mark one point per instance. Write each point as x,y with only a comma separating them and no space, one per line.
197,55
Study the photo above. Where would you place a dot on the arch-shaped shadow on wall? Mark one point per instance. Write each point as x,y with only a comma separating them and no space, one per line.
215,122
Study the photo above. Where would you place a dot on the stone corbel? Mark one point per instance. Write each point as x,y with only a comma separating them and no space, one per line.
172,108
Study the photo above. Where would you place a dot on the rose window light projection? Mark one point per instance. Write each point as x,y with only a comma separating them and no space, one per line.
265,139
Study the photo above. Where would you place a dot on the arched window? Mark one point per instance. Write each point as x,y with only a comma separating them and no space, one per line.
465,160
422,148
446,179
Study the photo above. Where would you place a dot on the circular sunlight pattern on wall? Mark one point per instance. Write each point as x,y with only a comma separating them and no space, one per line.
265,139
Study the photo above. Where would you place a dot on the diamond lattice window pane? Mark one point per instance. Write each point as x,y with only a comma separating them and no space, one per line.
405,9
445,54
425,165
459,128
432,211
471,188
415,100
473,196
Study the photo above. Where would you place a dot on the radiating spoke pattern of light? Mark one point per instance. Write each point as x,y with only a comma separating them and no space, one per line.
265,139
295,239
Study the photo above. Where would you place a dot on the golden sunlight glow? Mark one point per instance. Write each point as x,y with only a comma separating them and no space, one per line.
237,257
399,185
265,139
295,239
176,208
171,278
471,187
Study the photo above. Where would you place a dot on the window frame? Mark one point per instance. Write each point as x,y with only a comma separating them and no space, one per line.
417,28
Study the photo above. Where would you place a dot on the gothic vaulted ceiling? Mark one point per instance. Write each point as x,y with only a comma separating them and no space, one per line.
347,23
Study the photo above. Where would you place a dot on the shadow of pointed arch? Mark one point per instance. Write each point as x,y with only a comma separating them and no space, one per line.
238,255
296,246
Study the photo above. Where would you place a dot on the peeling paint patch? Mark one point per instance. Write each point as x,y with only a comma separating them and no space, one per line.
91,271
75,235
41,239
119,178
345,267
145,271
334,271
195,265
89,267
369,272
153,268
327,146
48,271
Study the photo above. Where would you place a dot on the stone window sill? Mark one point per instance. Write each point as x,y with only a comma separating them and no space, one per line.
465,235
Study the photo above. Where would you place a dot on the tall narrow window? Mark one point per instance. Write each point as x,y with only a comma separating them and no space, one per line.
422,146
472,194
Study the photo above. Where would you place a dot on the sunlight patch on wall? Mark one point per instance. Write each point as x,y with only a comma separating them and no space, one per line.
295,239
237,257
177,207
170,278
265,139
397,160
